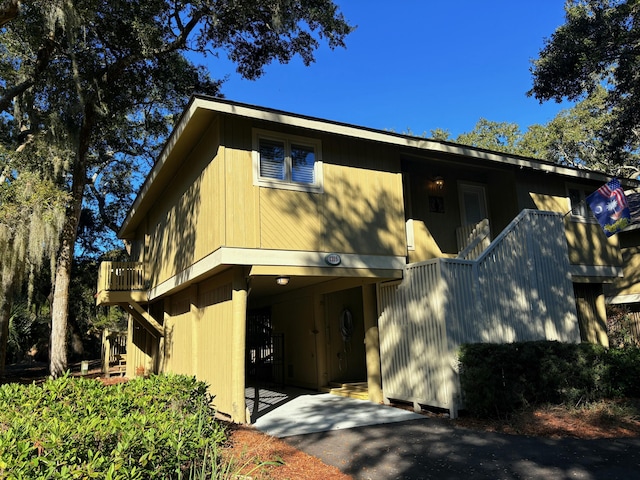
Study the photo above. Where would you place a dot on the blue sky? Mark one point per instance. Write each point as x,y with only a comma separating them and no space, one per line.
416,65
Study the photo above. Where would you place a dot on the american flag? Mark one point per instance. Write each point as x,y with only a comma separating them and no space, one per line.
614,189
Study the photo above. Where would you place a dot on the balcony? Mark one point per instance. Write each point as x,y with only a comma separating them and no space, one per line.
121,282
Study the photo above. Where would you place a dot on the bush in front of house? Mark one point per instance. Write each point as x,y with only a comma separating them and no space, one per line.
497,379
158,427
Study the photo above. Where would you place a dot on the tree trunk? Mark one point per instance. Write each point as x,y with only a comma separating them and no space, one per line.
5,315
60,304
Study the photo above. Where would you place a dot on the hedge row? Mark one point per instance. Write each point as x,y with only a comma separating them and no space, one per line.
159,427
497,379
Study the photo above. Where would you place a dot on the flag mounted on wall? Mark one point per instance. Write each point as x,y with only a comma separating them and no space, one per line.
610,207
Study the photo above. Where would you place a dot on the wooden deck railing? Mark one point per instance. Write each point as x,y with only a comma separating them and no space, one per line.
121,276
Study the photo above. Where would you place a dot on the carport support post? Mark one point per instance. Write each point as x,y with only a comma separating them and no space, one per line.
372,343
238,342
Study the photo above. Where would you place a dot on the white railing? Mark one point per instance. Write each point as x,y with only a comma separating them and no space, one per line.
473,239
518,289
121,276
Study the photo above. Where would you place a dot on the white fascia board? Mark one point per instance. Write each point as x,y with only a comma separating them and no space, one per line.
179,128
391,138
283,258
606,271
622,299
337,128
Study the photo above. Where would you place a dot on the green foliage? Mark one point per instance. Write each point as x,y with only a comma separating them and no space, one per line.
497,136
160,427
621,327
90,91
597,46
497,379
573,137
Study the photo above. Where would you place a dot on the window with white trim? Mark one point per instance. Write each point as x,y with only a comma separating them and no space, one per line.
287,161
580,211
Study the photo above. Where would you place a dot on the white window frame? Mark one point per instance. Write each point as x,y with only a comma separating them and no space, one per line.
478,189
288,140
584,214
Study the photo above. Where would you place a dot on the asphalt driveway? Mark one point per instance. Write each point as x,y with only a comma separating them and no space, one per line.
379,442
435,449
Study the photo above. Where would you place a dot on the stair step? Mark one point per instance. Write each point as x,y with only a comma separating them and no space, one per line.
351,390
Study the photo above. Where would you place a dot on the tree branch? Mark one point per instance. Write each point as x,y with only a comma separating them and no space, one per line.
108,222
8,11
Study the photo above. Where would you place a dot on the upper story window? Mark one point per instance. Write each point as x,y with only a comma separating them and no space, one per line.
286,161
577,201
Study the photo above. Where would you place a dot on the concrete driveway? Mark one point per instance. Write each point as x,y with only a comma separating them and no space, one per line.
311,413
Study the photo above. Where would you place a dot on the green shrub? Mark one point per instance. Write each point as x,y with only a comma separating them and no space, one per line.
159,427
497,379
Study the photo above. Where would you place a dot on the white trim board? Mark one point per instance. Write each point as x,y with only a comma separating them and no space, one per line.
284,258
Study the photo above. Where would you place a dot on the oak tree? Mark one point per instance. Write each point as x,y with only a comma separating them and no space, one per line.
598,46
103,81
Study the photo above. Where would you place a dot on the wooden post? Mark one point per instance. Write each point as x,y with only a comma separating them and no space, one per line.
106,351
238,339
372,343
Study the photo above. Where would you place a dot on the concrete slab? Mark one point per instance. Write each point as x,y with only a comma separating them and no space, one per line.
312,413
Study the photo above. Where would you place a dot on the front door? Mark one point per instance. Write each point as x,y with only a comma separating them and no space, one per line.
345,336
473,203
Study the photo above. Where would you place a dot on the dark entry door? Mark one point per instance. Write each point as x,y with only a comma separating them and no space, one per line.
265,350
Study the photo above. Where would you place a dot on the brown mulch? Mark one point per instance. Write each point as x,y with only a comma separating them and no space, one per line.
559,422
281,461
261,457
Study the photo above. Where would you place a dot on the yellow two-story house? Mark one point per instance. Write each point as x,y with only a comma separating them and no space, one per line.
270,245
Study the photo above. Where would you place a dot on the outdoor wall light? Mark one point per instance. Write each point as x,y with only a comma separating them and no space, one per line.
282,281
439,182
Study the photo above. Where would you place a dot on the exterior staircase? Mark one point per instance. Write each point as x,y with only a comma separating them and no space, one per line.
358,390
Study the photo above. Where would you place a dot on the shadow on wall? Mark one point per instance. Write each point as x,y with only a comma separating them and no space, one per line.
518,290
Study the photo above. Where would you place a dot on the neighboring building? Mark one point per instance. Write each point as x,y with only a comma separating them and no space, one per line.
625,291
272,245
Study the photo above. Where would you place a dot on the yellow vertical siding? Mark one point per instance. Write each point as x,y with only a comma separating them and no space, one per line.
592,314
141,349
186,223
241,197
198,327
629,284
587,244
363,211
178,335
213,340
